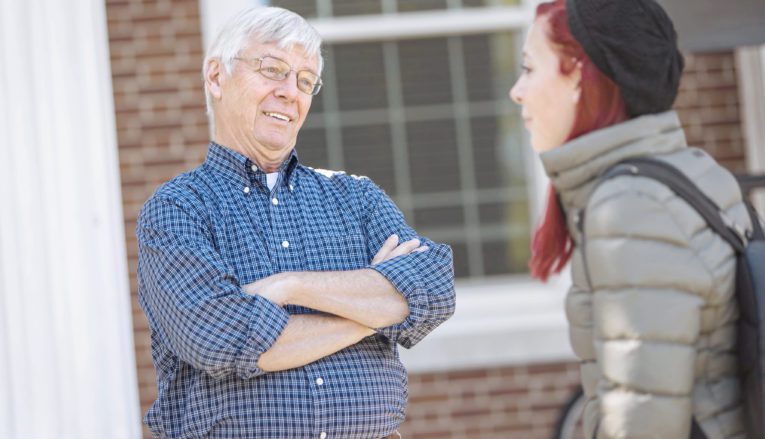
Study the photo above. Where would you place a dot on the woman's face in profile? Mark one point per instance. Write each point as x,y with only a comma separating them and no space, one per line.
548,97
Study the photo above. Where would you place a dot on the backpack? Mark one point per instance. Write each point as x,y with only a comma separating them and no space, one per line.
749,247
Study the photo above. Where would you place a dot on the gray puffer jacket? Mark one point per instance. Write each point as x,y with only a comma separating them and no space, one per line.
655,331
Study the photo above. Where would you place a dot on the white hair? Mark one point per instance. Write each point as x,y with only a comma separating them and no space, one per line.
267,25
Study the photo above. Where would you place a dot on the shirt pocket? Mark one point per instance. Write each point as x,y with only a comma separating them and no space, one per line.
336,252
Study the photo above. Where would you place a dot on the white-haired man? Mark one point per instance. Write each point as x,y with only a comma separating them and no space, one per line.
275,293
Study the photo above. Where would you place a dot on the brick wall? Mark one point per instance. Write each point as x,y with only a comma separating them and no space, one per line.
708,106
156,54
500,403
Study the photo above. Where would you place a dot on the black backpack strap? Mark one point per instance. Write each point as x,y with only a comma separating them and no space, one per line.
757,232
681,185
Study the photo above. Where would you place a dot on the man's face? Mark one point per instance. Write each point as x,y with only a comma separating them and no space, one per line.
261,113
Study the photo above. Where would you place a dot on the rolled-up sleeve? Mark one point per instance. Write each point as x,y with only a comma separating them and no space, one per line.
194,303
425,279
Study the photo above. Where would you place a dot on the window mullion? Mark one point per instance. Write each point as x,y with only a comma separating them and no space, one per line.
465,154
397,118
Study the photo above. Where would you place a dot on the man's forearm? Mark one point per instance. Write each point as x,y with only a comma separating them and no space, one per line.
310,337
364,296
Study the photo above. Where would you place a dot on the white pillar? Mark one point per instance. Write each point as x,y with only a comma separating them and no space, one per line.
67,366
750,64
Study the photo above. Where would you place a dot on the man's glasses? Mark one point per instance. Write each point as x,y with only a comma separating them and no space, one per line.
278,70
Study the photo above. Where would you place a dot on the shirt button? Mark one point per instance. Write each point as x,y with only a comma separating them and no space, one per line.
292,188
285,244
254,168
274,201
246,189
323,435
319,381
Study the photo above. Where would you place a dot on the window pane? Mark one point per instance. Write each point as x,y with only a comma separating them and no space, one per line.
306,8
356,7
361,71
317,105
502,257
452,217
433,158
478,67
367,151
312,148
460,258
425,75
487,152
482,3
420,5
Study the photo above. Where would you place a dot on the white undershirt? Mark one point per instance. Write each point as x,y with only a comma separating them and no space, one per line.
271,180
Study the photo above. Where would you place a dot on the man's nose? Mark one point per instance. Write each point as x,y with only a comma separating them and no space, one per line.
287,87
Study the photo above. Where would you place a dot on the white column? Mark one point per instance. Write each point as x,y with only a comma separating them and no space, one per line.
67,366
750,64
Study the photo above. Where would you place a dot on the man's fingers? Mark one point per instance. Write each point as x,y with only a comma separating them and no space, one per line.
404,248
386,248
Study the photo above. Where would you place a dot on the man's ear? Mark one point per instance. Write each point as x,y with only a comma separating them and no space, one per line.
215,75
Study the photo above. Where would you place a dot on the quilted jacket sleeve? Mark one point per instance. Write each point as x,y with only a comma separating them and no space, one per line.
649,279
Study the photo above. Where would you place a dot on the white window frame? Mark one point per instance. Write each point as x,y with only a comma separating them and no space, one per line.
499,320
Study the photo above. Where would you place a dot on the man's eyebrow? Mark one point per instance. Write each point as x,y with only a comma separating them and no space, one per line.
268,54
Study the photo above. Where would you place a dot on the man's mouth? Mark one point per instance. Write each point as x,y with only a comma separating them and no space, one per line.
278,116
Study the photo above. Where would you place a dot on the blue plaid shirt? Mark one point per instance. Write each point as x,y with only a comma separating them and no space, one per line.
206,233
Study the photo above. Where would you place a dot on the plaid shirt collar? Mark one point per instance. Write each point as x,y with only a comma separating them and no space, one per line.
240,170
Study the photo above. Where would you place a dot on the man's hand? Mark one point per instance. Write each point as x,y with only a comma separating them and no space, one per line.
277,288
391,249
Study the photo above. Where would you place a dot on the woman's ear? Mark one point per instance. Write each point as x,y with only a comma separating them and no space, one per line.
576,79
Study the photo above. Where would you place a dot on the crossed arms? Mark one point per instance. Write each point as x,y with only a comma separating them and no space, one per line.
356,302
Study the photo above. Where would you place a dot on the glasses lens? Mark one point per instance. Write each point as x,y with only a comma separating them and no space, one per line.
274,68
308,82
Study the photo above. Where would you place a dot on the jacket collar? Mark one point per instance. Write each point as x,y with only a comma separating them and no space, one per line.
575,166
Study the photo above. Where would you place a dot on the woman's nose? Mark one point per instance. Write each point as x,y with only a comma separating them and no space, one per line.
515,93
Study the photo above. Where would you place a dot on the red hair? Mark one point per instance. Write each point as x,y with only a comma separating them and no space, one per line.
600,105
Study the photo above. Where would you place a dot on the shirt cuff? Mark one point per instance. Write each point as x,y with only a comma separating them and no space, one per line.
402,273
267,323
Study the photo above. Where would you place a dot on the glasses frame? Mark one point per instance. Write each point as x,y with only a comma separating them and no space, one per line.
259,69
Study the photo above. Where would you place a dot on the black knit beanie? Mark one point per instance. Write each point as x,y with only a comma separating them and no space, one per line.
634,43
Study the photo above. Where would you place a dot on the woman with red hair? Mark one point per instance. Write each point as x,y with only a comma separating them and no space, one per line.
652,310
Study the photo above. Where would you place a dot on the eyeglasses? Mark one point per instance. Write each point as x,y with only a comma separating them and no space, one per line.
278,70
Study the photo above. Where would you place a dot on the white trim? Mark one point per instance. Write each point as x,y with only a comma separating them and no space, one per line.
750,65
498,322
66,339
422,24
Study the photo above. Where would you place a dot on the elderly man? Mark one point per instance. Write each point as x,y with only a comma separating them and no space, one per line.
276,294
